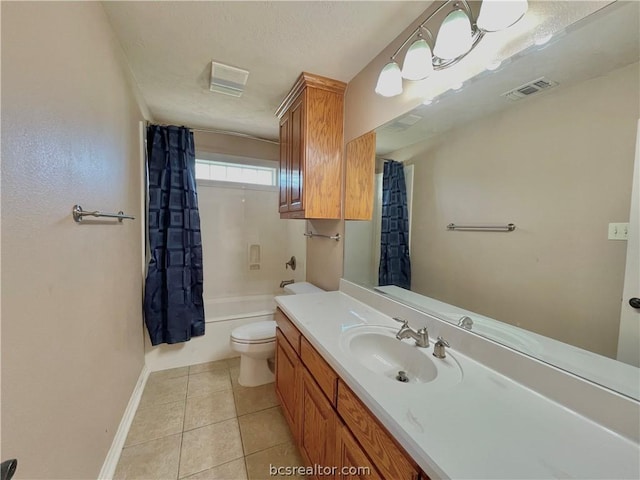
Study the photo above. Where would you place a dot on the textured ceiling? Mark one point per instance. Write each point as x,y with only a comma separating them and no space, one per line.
169,47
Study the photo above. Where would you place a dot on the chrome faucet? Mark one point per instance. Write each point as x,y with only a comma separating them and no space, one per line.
284,283
466,322
421,336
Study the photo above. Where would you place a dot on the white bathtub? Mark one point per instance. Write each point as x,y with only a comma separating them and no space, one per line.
233,308
222,315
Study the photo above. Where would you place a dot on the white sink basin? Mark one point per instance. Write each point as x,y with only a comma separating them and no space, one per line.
377,349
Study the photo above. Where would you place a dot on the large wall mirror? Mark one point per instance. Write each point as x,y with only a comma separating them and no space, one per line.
557,160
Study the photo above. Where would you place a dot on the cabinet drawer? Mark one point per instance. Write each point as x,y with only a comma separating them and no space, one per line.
388,457
291,333
320,370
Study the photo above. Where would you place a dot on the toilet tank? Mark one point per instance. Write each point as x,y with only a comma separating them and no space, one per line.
301,287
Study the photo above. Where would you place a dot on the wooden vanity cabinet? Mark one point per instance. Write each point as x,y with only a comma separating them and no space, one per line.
288,371
317,430
331,426
350,454
311,142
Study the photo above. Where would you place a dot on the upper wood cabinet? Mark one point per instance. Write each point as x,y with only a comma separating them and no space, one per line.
311,143
359,177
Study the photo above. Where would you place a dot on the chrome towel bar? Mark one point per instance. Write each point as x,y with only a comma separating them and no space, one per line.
78,213
510,227
335,237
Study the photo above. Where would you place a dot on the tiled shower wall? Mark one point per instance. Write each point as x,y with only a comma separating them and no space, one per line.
232,219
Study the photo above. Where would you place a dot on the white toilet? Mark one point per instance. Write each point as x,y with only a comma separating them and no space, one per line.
256,343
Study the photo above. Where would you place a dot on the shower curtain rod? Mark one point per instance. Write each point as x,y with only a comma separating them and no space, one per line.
224,132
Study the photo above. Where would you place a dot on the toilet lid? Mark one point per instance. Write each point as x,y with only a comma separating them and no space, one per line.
257,332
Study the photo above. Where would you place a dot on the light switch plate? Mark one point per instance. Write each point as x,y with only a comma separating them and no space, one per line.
618,231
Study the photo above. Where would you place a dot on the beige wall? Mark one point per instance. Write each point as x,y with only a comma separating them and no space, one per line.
235,145
559,167
72,338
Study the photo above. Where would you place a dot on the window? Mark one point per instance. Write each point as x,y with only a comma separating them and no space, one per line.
235,172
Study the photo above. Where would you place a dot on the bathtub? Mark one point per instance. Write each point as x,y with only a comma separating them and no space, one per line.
222,315
233,308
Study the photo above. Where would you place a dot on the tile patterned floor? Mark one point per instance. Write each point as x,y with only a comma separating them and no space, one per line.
197,423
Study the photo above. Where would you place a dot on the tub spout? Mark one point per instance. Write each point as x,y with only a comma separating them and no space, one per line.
284,283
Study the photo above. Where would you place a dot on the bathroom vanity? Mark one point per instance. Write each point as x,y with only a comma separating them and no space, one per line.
337,363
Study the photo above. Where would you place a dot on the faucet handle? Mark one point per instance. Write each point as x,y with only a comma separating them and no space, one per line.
438,348
402,321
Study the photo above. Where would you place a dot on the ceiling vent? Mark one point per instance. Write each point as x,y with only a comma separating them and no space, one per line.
403,123
228,80
530,88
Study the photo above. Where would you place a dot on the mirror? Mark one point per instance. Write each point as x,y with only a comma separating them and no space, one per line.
556,159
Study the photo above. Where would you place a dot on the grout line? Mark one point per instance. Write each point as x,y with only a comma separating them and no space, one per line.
184,418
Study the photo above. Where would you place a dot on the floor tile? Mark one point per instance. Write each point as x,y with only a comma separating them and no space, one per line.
209,366
234,470
157,459
156,421
208,382
210,446
254,399
233,362
234,373
166,374
263,429
283,455
164,390
210,408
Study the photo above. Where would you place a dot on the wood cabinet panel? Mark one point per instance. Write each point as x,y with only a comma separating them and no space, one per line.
288,329
297,155
317,424
312,147
285,152
352,462
288,370
323,156
389,458
323,374
359,177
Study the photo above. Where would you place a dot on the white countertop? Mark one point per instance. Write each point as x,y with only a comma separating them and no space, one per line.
485,426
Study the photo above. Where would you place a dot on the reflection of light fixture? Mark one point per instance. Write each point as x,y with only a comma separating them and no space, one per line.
458,34
494,65
497,14
390,80
543,39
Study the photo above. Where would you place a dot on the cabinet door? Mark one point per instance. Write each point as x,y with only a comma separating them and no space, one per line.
285,159
296,158
351,460
288,379
317,424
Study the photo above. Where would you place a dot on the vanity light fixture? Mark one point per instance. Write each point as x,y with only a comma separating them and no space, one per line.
458,34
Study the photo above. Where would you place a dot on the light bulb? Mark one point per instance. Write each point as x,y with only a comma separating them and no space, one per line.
500,14
454,38
418,61
390,80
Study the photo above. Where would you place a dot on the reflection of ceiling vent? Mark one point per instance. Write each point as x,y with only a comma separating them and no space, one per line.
530,88
403,123
228,80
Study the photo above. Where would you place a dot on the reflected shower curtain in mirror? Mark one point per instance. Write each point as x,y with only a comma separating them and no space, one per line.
395,264
173,307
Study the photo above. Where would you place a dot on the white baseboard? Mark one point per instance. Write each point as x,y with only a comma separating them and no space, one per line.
113,456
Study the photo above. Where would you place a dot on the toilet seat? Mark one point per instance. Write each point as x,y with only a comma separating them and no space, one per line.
255,333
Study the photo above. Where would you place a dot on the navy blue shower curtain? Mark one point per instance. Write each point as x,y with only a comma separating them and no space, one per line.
395,265
173,307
